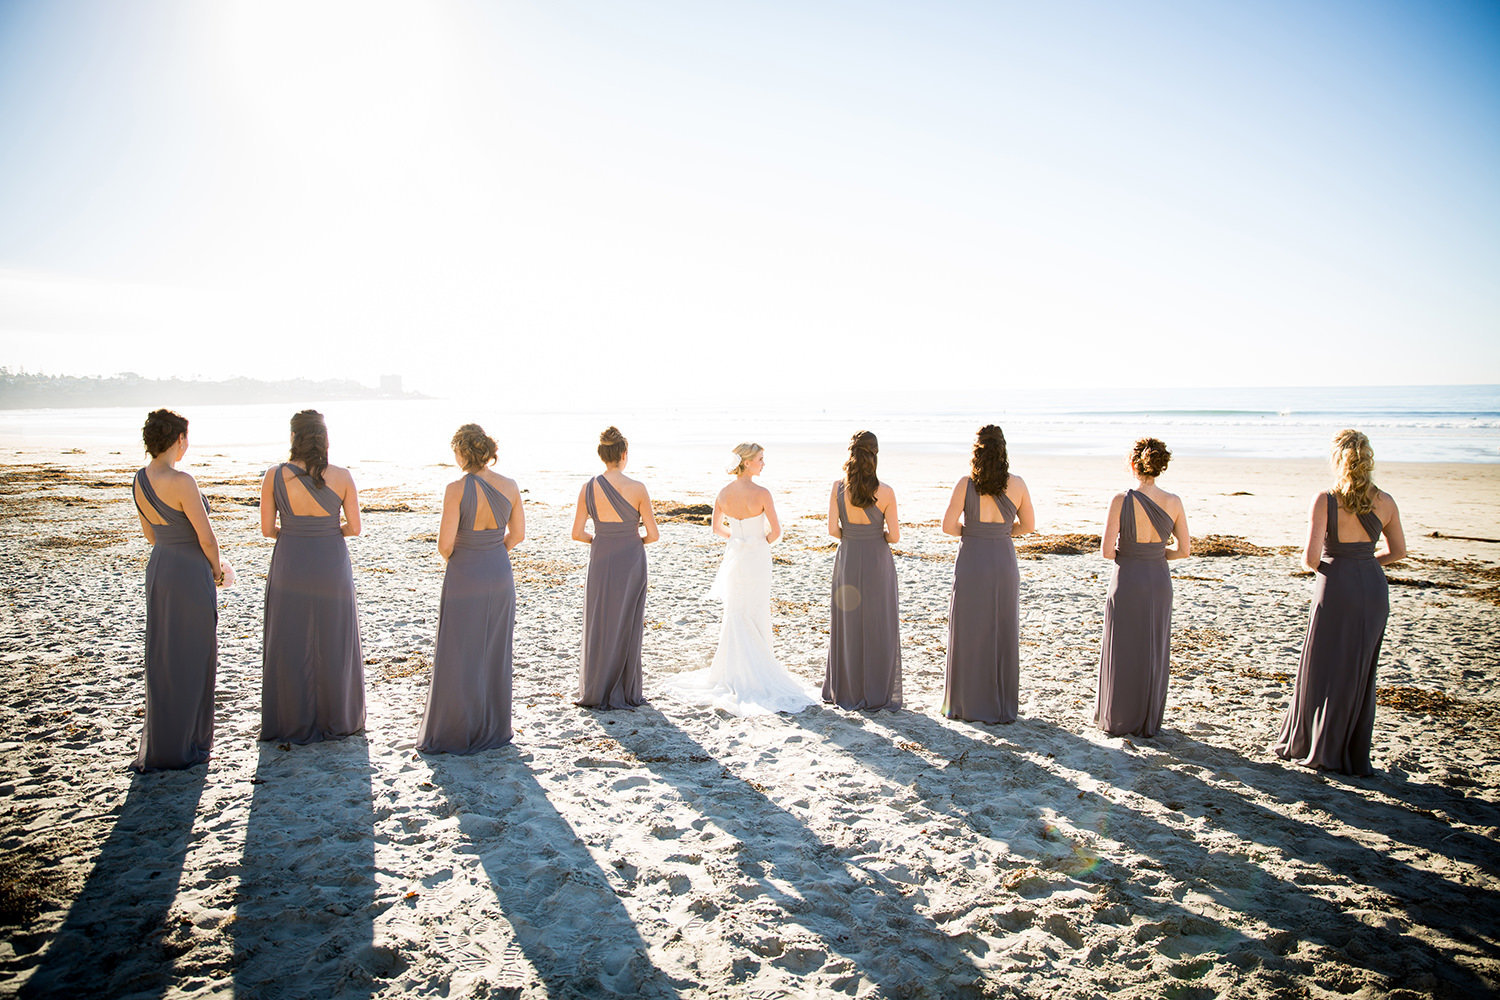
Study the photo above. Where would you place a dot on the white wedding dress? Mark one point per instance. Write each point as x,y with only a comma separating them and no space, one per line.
745,678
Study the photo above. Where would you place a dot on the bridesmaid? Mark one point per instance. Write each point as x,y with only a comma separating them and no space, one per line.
468,705
313,675
984,636
864,644
182,613
614,598
1332,715
1134,662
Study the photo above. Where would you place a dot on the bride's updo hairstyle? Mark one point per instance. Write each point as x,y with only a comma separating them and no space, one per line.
1149,457
1353,470
475,448
744,452
990,467
612,445
310,443
161,431
860,480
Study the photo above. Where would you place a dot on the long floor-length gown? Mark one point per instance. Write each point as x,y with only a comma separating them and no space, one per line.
614,606
1134,663
864,640
182,643
1331,718
312,668
984,635
468,704
745,677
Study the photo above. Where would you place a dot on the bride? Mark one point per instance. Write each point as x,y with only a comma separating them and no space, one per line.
745,678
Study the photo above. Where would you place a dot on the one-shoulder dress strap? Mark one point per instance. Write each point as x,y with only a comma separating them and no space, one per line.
1372,525
468,505
150,495
588,501
1127,516
1332,533
278,491
500,505
322,495
971,501
622,506
1007,507
843,511
1160,519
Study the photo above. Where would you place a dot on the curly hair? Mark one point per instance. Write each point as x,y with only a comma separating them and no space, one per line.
161,430
1149,457
475,448
990,466
860,480
612,445
1353,469
744,452
310,443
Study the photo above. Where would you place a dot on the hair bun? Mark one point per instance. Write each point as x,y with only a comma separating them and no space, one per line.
611,435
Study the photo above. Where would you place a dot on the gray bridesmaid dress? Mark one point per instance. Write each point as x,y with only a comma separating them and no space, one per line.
182,643
468,705
614,606
984,635
1134,663
1331,719
864,641
312,668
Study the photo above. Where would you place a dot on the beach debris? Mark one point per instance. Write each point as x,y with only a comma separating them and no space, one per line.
1421,701
677,511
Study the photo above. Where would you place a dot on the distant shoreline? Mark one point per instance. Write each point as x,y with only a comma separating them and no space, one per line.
25,391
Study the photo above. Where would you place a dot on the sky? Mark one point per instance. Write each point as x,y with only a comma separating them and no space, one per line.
613,200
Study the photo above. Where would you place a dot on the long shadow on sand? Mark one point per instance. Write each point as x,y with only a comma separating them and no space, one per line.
111,942
1236,883
860,914
568,921
304,912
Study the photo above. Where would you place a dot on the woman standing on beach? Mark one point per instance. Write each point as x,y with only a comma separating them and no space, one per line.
313,674
1331,719
864,642
745,677
182,613
1146,526
984,636
614,596
468,704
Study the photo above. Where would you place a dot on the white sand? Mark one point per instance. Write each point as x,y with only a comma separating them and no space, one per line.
673,850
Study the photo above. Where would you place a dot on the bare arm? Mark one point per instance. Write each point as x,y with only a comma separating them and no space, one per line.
1181,545
448,527
192,506
720,528
515,526
351,510
955,509
1395,538
268,503
833,512
1317,528
1111,537
580,519
1025,522
892,520
649,517
773,523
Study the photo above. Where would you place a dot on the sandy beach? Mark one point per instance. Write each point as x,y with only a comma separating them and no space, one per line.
676,851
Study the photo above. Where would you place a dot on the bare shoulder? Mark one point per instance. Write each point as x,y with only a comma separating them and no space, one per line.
337,475
762,492
507,486
1017,482
635,489
1172,503
454,490
1384,504
884,492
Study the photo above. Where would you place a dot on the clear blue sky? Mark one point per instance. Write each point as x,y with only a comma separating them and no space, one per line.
611,196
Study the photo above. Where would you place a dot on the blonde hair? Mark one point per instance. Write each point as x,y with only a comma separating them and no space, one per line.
1353,471
745,452
475,448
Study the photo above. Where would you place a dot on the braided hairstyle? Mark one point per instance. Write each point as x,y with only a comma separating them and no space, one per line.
1354,468
310,443
990,466
161,431
860,480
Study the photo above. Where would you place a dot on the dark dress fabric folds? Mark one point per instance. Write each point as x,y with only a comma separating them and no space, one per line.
469,702
1331,720
614,606
312,666
182,643
984,636
863,669
1134,662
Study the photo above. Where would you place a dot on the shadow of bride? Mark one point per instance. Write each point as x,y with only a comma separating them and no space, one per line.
113,940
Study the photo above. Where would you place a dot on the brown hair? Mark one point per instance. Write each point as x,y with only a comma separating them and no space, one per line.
744,452
860,480
612,445
161,431
310,443
475,448
1353,469
1149,457
990,466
